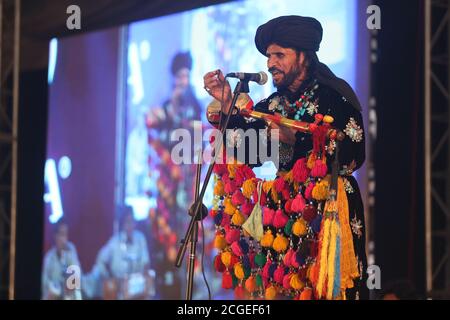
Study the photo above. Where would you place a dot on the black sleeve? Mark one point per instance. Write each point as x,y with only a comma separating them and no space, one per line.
352,149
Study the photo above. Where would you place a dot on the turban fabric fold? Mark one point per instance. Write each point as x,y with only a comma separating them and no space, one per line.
302,34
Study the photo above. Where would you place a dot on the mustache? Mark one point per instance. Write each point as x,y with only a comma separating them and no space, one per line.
273,69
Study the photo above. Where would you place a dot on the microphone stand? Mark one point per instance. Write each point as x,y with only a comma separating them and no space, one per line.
198,210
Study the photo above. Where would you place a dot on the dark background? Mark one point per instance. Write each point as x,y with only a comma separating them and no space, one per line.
399,211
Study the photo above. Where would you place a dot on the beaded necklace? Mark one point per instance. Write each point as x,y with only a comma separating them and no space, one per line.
300,106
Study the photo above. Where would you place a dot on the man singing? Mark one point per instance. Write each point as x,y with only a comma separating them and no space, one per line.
305,88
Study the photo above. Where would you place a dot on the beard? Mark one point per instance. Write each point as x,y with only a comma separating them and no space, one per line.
288,78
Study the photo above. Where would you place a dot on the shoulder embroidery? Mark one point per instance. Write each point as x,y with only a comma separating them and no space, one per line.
348,187
353,131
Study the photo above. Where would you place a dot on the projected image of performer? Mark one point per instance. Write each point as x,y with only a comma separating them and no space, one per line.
181,110
123,262
57,260
305,88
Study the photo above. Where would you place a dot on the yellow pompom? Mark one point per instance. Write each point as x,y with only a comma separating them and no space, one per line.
328,119
238,218
280,243
226,258
230,209
267,186
320,191
219,189
248,187
311,161
239,271
296,283
271,293
300,227
267,239
220,242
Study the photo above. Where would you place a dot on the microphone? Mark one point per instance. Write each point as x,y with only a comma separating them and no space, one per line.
260,77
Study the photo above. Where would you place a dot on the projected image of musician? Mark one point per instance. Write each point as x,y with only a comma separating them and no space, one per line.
175,183
57,261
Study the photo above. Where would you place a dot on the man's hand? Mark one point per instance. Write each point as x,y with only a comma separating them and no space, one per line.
286,135
215,85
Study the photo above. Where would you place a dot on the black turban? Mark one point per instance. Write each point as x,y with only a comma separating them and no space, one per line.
180,61
301,33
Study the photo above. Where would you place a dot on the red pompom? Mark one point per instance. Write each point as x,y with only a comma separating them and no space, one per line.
300,171
309,213
287,257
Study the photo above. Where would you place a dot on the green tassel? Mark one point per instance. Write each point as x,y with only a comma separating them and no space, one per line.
260,260
259,280
288,227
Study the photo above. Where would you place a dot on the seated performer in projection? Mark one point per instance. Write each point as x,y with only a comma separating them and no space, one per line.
120,271
308,239
56,284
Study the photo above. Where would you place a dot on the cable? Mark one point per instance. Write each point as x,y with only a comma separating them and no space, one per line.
202,261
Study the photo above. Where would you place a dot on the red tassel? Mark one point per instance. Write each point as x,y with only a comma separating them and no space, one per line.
247,208
236,249
300,171
265,270
319,170
279,185
288,206
218,264
288,257
286,194
239,292
279,274
227,280
232,235
226,219
308,191
280,219
234,260
237,198
268,216
220,169
287,281
230,187
212,213
251,257
298,204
